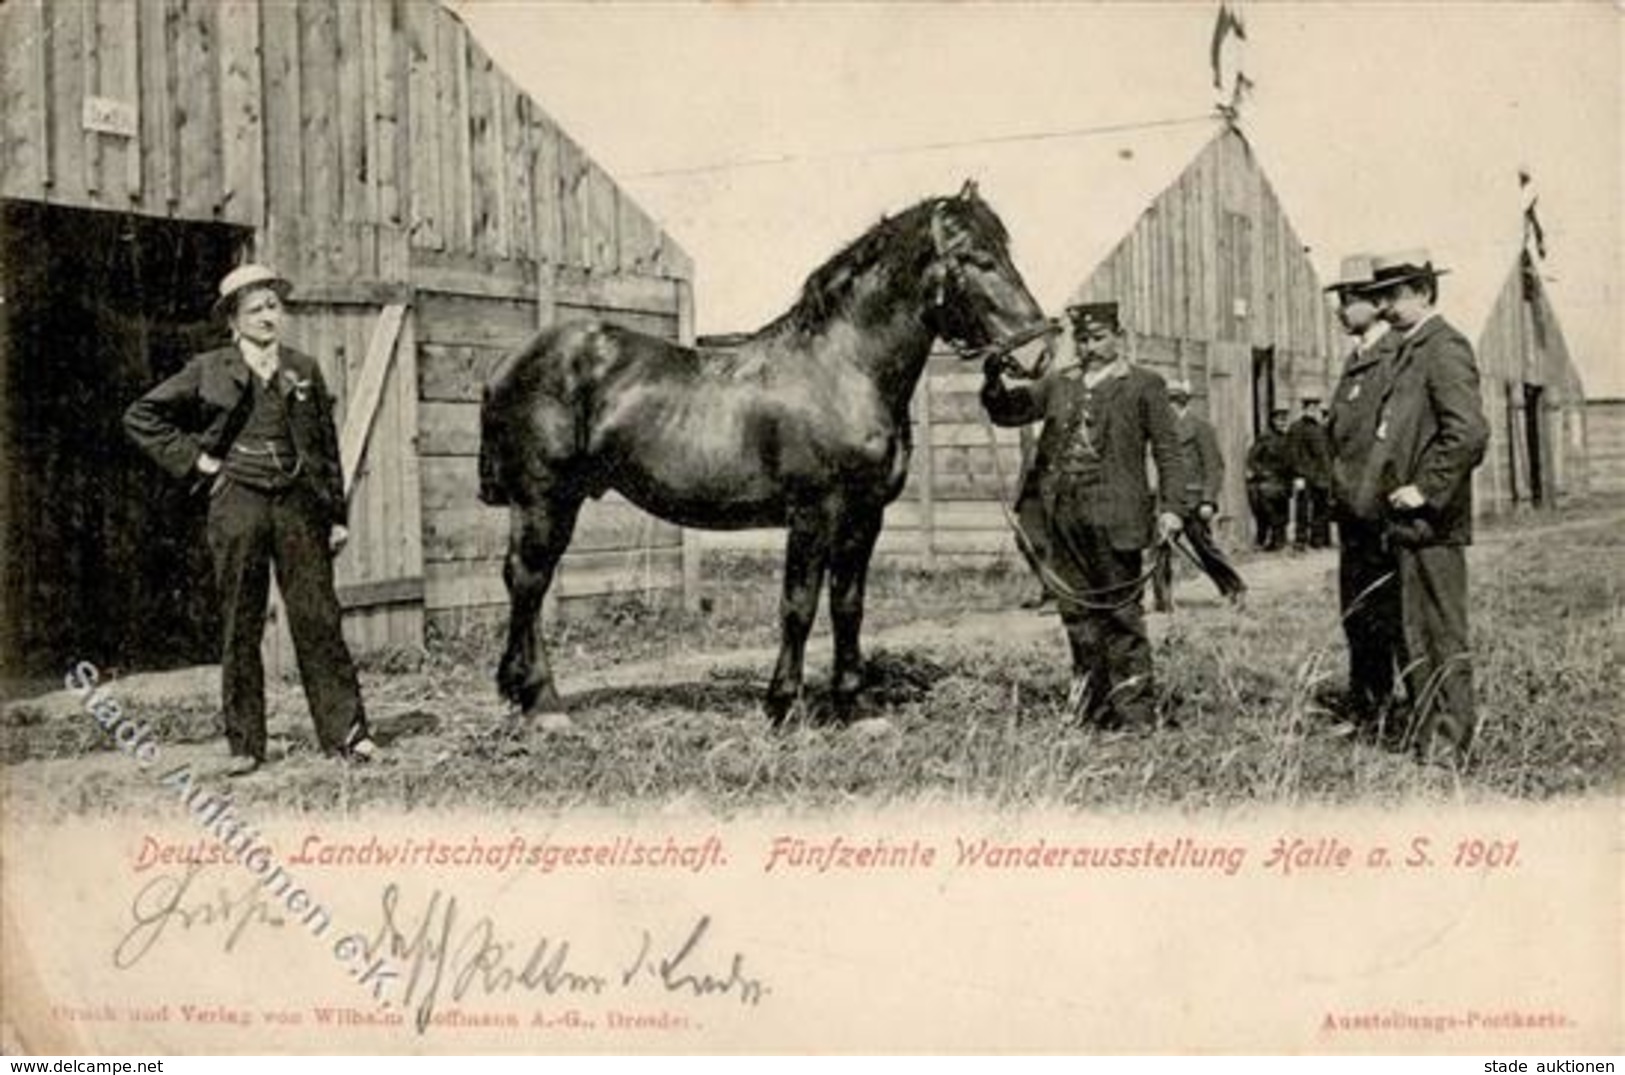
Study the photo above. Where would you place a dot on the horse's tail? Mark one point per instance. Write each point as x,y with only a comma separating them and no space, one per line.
499,402
493,490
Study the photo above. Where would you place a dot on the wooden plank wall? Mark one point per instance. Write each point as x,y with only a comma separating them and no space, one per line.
325,112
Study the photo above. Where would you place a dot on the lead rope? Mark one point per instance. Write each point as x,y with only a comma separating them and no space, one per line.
1053,584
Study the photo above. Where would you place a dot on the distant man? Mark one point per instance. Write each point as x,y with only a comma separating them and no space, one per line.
1203,466
1368,571
1312,479
1430,436
1099,419
1269,482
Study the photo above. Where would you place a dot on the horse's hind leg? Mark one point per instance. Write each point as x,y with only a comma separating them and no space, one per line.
849,571
539,536
806,554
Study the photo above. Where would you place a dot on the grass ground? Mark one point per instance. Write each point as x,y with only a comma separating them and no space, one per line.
972,693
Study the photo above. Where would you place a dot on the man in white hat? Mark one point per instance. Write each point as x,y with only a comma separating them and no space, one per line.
1430,436
1368,572
254,423
1203,467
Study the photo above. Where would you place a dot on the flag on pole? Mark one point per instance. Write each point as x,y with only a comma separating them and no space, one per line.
1534,236
1226,25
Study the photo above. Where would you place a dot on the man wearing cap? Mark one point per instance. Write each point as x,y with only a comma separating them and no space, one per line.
1203,467
1099,418
1430,436
254,423
1311,483
1269,482
1367,570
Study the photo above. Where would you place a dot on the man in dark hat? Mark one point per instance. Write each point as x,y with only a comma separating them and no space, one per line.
1269,482
1430,436
254,422
1368,572
1312,479
1203,467
1099,418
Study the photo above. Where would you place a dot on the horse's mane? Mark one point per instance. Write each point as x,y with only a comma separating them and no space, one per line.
901,241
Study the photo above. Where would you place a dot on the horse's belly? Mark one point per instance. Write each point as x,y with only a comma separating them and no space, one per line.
732,497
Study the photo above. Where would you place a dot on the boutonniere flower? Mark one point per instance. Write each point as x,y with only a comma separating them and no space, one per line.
300,386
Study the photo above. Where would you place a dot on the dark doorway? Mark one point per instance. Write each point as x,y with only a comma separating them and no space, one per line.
105,556
1533,419
1263,388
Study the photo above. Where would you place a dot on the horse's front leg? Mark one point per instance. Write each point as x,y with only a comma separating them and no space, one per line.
849,572
806,554
539,536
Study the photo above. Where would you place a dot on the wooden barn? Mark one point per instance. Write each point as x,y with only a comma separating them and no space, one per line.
1533,400
1216,287
431,216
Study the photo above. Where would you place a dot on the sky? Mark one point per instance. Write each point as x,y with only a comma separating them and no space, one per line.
764,136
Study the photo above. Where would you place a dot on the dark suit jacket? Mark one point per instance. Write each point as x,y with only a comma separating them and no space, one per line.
202,407
1430,433
1311,452
1200,461
1352,425
1132,411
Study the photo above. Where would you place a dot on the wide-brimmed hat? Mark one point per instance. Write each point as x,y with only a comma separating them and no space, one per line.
1402,267
1086,316
1353,274
1179,389
246,276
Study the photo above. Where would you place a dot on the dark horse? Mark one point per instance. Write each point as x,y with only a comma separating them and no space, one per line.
805,425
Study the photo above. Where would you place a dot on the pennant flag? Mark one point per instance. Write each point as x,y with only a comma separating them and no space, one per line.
1226,25
1534,236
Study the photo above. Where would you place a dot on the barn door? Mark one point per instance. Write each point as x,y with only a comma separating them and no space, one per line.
368,356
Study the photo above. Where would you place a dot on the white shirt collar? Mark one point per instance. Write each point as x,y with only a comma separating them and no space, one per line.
262,360
1115,368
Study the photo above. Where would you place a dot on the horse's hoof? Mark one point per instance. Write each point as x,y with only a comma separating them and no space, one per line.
777,708
554,722
871,728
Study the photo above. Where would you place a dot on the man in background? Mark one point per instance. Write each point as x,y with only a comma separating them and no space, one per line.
1203,467
1269,482
1311,483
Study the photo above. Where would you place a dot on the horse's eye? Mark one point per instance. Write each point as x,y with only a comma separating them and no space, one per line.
981,260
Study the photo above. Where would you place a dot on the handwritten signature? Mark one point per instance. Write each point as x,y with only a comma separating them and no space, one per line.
167,902
433,952
439,952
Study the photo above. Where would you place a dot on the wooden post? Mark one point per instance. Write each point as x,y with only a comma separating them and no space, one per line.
693,552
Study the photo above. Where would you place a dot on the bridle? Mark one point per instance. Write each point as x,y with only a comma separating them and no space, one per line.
948,267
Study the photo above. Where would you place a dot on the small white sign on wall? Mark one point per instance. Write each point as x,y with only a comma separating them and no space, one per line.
109,116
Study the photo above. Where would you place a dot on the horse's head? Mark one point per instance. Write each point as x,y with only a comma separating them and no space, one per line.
979,302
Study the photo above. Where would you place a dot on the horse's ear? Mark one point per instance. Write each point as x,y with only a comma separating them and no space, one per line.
968,191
